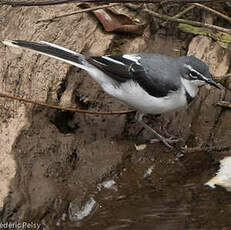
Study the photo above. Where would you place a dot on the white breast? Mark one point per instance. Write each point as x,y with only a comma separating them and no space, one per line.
132,94
191,86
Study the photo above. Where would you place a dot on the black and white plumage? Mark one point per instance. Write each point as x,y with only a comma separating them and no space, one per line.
151,83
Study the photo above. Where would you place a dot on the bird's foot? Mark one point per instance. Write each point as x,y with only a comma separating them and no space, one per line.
166,141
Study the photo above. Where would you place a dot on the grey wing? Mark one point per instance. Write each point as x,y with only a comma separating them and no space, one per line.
123,68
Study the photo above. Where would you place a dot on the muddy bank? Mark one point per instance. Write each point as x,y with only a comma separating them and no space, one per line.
53,161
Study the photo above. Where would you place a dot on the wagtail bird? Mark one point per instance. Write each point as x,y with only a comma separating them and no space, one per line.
151,83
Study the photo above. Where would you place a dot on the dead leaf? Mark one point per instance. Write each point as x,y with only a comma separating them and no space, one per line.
113,21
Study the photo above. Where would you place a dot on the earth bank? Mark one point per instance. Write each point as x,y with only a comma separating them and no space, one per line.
53,160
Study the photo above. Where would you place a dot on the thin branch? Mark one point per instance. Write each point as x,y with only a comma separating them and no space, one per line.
189,22
224,104
34,3
77,12
180,14
213,11
222,79
207,149
183,12
55,2
63,108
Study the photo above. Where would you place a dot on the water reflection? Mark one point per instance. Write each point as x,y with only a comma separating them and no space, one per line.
170,208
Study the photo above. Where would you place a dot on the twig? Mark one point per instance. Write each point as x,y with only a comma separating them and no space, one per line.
55,2
207,149
224,104
183,12
222,79
213,11
180,14
77,12
63,108
194,23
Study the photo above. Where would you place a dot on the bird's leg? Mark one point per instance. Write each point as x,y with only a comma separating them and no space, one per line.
161,138
166,141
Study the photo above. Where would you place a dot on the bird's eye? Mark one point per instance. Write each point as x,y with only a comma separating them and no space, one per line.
193,74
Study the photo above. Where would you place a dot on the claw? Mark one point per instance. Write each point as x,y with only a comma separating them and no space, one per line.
166,141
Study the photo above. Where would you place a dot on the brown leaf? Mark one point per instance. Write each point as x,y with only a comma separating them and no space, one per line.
114,21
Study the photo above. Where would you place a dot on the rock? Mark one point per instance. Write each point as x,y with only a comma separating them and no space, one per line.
223,177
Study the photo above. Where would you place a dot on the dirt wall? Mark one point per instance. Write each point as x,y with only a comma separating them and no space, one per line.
51,158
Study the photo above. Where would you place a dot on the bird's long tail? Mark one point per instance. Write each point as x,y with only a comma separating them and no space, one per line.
52,50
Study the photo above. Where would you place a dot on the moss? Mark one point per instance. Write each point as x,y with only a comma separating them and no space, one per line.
218,36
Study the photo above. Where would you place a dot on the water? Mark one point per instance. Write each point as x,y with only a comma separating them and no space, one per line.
140,204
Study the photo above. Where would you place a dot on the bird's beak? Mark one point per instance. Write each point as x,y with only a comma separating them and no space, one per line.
212,82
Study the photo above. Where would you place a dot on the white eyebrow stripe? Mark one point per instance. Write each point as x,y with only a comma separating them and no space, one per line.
191,69
112,60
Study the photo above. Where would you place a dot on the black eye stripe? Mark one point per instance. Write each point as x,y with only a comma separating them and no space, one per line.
194,74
